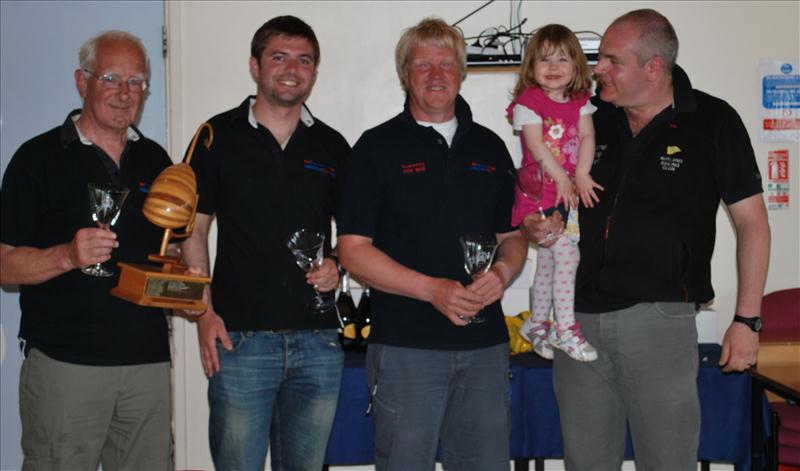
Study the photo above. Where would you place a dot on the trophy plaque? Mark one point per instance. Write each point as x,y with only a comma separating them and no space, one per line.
170,204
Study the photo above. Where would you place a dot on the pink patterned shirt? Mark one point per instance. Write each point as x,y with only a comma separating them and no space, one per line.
560,128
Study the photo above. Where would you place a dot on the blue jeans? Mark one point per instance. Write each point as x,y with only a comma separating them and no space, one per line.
458,400
281,386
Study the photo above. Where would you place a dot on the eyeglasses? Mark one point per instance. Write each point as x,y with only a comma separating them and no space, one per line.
114,82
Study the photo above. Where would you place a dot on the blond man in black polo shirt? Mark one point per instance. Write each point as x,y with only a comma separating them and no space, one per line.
415,184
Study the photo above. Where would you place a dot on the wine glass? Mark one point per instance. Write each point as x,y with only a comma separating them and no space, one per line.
105,201
307,248
478,255
530,181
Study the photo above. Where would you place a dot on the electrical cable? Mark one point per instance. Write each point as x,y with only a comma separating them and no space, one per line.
493,41
473,12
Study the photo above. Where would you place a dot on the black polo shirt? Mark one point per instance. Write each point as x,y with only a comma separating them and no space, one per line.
652,235
415,196
45,200
260,194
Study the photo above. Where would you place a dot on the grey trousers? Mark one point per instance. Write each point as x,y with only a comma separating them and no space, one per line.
75,416
458,400
645,376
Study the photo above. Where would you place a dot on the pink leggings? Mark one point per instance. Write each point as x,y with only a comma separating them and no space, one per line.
554,283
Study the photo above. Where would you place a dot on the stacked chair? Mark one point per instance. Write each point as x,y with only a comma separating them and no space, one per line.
780,345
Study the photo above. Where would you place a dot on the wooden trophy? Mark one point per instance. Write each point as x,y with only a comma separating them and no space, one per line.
171,204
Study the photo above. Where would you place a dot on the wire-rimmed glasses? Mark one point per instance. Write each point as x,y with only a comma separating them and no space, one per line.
135,84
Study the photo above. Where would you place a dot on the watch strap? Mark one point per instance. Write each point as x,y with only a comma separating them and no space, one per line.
753,322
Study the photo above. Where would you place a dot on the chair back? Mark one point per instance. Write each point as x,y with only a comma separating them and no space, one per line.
780,314
780,345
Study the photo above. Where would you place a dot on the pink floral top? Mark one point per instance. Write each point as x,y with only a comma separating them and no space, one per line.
560,127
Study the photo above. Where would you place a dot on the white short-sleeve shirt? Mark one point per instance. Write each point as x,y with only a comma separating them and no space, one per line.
524,115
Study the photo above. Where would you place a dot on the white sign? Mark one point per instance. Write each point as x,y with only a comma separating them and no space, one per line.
780,100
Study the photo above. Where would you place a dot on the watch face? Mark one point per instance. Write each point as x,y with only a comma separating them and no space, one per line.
753,322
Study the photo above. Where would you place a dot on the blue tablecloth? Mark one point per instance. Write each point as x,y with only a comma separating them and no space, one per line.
724,399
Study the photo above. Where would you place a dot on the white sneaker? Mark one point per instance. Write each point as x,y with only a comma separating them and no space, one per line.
537,333
573,343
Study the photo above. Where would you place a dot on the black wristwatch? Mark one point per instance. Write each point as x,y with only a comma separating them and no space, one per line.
753,322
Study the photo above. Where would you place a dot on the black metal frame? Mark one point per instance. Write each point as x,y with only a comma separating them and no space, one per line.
765,455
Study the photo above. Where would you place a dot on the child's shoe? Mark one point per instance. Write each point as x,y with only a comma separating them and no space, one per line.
573,343
536,333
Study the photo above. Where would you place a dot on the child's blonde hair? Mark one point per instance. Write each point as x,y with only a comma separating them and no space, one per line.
547,40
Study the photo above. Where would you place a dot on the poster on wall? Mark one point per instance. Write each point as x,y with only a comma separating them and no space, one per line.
780,100
778,179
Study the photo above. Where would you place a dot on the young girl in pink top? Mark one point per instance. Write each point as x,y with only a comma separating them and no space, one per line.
552,109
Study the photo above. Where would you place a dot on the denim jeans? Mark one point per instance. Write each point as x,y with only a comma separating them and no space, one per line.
278,386
458,400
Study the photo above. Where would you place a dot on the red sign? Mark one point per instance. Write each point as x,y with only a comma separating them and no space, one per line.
779,165
781,124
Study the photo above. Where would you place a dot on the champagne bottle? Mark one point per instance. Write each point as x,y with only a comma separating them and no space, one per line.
348,335
364,316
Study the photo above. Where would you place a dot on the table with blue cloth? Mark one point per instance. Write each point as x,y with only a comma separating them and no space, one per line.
536,433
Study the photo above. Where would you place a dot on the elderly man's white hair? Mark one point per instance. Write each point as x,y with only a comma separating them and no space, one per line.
88,53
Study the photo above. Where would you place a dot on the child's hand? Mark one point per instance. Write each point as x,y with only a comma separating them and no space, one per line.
565,191
586,186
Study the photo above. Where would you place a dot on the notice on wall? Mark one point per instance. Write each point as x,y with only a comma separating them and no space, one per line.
780,100
778,179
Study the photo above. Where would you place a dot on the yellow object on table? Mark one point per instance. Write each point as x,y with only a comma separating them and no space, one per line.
517,343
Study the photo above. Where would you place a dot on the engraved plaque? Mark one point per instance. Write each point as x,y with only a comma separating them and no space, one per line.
179,289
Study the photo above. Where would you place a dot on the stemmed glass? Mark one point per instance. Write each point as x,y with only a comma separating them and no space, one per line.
530,181
479,252
307,248
105,201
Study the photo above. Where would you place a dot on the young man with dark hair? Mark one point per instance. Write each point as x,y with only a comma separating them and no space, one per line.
274,365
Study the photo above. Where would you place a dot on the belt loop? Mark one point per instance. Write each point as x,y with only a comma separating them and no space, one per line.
24,348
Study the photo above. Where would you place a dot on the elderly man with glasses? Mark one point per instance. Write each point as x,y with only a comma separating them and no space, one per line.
95,382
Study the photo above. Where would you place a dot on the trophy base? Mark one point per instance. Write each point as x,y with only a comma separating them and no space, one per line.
166,287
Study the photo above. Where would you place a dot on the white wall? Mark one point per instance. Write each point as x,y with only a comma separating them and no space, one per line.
40,42
357,88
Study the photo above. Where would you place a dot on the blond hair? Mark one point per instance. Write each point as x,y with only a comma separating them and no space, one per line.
430,31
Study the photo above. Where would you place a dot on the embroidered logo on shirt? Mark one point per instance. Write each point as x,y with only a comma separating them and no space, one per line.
144,187
413,168
485,168
318,167
671,162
